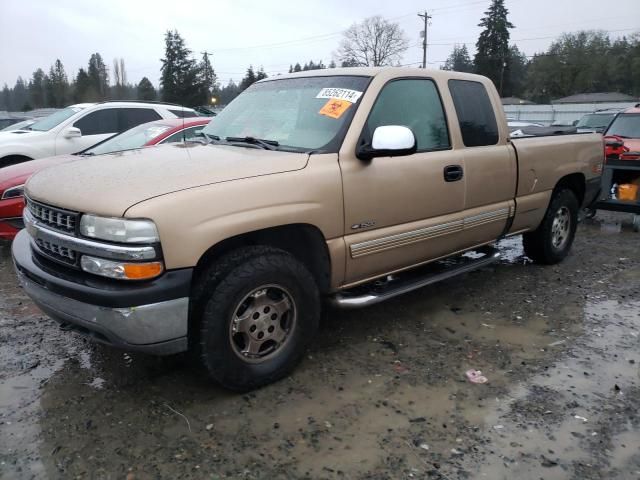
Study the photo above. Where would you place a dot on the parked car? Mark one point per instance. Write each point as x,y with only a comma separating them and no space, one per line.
21,125
622,137
597,121
80,126
12,178
336,184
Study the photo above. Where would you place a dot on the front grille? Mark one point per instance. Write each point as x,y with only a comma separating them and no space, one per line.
54,218
57,252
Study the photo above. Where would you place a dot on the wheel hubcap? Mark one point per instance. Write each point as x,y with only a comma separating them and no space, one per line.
262,323
560,228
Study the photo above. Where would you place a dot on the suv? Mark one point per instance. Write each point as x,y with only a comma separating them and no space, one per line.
597,121
80,126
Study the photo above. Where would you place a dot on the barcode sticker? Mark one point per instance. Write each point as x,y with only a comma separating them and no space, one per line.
351,96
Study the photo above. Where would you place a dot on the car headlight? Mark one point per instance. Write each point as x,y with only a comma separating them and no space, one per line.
13,192
121,230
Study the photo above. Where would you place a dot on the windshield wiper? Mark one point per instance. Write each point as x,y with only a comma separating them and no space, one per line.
266,144
210,138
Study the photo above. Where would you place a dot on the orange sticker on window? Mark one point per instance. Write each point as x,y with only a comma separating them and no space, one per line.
334,108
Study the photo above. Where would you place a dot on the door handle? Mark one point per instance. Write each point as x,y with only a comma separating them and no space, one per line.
453,173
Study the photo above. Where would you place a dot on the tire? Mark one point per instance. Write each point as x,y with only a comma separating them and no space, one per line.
636,223
551,242
256,310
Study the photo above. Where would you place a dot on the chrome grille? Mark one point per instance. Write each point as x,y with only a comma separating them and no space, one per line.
57,252
52,217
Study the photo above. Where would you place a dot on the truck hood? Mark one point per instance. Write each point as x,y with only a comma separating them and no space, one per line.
110,184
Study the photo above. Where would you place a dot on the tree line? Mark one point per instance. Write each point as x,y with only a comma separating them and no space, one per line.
581,62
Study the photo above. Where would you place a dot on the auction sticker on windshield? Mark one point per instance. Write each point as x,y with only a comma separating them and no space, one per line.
335,107
351,96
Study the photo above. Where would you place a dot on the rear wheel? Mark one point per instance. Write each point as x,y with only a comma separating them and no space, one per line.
259,308
551,242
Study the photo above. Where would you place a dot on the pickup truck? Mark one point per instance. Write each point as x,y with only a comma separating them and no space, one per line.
346,186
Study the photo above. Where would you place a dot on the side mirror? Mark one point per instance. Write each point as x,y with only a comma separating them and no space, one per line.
389,141
72,132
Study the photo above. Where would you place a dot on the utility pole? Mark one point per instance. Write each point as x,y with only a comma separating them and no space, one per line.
426,18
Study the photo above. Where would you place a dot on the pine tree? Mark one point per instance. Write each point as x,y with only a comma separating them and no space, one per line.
37,92
98,78
6,98
492,48
297,68
145,90
57,86
332,64
179,80
249,79
20,98
82,87
207,79
459,60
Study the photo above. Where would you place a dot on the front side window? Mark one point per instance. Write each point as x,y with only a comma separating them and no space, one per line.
475,113
413,103
301,114
55,119
99,122
595,120
626,126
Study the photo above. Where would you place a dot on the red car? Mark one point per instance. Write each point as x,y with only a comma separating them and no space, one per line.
12,178
622,138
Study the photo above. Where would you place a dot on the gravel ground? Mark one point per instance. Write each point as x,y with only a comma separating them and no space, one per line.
381,395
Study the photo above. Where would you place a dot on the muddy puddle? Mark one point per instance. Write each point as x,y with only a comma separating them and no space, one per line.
382,394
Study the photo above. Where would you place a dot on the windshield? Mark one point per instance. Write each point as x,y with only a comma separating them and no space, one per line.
301,114
626,126
599,120
55,119
136,137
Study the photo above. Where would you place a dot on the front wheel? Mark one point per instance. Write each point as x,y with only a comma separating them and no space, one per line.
257,317
552,240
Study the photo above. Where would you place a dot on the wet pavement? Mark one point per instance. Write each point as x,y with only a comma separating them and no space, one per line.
381,395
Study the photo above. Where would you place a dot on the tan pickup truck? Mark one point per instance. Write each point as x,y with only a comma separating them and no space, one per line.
344,185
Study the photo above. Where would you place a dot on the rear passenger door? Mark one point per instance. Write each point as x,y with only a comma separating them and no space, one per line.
401,211
132,117
490,164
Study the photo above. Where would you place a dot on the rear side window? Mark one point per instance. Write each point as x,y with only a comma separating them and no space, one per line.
186,134
99,122
475,113
415,104
184,113
132,117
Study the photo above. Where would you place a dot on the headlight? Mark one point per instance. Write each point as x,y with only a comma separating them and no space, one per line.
120,270
121,230
13,192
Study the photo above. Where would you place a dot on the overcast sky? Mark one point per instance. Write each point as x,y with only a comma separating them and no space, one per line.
271,34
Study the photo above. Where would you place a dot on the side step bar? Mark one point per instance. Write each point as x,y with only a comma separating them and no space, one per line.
412,280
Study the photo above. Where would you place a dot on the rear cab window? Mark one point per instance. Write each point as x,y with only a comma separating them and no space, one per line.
476,117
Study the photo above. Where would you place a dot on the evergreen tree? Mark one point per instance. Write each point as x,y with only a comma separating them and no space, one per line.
249,79
82,87
207,79
98,78
37,93
57,86
261,74
297,68
492,48
228,93
332,64
179,80
459,60
20,97
145,90
5,101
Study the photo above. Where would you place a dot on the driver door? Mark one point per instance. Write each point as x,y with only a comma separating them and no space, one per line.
401,211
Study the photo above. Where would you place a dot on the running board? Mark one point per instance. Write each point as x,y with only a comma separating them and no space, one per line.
393,286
